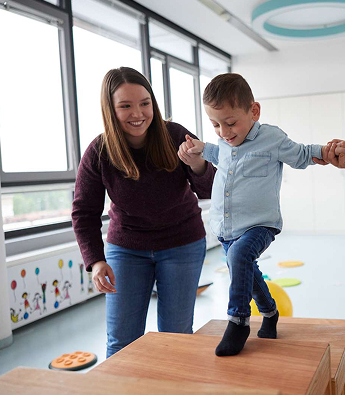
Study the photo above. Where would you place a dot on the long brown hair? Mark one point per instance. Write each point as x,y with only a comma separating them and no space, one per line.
160,149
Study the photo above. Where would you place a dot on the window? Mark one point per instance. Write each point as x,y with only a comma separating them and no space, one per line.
43,72
158,84
32,122
31,118
183,99
171,43
37,116
34,208
98,48
208,133
211,64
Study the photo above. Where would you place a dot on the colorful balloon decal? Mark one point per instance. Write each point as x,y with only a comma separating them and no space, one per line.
61,266
70,264
14,286
23,274
37,272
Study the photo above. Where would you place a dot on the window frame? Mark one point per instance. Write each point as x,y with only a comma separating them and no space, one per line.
29,239
48,13
191,69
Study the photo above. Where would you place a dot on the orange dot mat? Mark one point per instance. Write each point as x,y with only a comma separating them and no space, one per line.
77,360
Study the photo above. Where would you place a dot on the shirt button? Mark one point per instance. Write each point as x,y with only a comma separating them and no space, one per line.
230,172
227,194
234,153
227,215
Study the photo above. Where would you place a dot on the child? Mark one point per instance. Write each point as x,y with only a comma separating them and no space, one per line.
245,212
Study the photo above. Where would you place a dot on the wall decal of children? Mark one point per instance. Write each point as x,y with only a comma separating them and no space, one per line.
36,303
27,307
81,268
57,294
65,289
44,287
15,317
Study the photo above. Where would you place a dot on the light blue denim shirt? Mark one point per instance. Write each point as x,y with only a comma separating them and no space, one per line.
246,188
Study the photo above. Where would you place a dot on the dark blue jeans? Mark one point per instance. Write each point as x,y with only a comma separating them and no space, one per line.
246,281
176,271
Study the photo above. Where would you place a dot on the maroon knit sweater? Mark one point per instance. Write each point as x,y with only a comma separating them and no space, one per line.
157,212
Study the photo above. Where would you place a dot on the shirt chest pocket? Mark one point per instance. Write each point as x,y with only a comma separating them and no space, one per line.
255,164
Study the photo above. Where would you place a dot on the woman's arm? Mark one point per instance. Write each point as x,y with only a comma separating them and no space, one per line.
87,208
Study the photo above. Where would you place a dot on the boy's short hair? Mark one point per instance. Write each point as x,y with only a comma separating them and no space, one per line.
228,88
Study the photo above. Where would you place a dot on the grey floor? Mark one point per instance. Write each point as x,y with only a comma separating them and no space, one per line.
82,327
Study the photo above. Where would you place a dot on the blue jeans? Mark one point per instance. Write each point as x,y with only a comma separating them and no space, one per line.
246,281
176,271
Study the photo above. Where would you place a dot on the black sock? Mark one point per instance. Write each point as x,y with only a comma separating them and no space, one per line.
234,339
268,328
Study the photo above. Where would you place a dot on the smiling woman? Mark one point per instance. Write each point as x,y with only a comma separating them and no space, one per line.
128,86
156,231
133,109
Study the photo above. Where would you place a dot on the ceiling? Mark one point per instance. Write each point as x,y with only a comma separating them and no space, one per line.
201,21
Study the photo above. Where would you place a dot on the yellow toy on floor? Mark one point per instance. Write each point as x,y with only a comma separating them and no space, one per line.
282,299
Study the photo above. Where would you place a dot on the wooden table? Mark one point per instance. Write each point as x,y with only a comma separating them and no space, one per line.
291,367
304,329
30,381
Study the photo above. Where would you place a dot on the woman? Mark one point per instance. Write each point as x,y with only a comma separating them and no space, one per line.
155,231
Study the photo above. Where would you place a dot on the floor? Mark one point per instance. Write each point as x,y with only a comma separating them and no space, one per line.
321,294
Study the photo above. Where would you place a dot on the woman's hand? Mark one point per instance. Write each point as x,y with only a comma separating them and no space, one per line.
99,272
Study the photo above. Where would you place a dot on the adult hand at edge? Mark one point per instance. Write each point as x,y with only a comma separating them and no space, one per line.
338,161
330,157
99,272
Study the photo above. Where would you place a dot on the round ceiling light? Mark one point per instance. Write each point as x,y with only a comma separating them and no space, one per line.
299,19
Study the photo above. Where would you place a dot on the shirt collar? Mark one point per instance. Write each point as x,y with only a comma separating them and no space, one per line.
253,131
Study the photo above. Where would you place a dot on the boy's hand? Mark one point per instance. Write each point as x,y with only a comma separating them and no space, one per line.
197,146
192,159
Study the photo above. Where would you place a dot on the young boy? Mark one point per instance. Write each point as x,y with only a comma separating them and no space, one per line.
245,211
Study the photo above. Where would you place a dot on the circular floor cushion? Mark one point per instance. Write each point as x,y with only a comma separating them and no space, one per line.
77,360
290,263
287,282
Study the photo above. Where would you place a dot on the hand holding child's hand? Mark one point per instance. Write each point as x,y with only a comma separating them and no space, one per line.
190,153
334,153
196,146
338,146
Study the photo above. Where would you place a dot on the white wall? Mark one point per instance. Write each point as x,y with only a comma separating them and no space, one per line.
301,90
300,69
